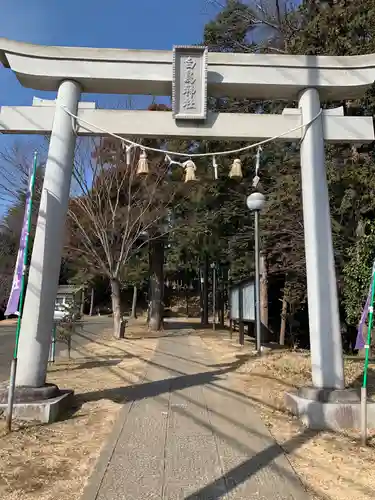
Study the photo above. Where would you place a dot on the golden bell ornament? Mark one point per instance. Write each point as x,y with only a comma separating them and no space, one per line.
190,169
142,164
236,169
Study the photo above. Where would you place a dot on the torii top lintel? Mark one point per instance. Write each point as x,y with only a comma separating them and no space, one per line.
122,71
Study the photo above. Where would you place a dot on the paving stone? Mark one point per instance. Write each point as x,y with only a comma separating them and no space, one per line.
188,435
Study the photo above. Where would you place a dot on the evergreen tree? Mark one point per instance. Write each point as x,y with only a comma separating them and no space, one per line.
222,225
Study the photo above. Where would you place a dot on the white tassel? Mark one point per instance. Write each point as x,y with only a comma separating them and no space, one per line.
215,166
257,165
128,150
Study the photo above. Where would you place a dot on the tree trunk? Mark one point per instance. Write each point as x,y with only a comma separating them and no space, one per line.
82,301
214,296
241,325
201,301
118,330
284,311
221,304
156,306
134,303
263,291
205,291
186,289
92,302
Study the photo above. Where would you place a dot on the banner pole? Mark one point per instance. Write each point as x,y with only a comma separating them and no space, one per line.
13,368
365,368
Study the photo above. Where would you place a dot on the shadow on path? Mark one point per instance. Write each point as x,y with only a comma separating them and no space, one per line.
242,472
156,388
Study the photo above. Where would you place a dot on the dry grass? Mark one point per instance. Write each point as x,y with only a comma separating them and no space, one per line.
52,462
333,466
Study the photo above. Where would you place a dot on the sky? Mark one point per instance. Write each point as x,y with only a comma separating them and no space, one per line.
130,24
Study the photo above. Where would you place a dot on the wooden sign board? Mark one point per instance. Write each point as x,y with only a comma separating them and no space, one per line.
189,86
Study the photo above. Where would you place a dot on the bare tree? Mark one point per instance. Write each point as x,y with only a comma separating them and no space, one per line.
264,22
15,163
116,211
7,260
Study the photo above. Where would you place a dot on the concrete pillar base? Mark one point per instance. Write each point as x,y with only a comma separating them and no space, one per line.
45,411
332,409
30,394
327,395
43,404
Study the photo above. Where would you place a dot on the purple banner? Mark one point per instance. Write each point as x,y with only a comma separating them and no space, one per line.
360,343
14,297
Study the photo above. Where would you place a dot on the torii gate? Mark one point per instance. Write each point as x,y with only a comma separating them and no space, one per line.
72,70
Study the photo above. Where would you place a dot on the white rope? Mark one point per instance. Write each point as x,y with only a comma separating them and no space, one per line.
189,155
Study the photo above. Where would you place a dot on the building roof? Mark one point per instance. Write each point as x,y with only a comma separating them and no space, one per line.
68,289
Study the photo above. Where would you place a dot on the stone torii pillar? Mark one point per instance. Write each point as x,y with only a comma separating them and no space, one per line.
325,336
37,318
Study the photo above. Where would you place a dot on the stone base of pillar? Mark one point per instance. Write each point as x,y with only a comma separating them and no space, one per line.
30,394
42,404
333,409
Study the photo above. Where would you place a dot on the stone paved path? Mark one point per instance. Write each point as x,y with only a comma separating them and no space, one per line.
184,434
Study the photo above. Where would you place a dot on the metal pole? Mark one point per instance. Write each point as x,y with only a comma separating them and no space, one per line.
365,370
12,386
364,416
213,296
257,282
205,290
53,344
